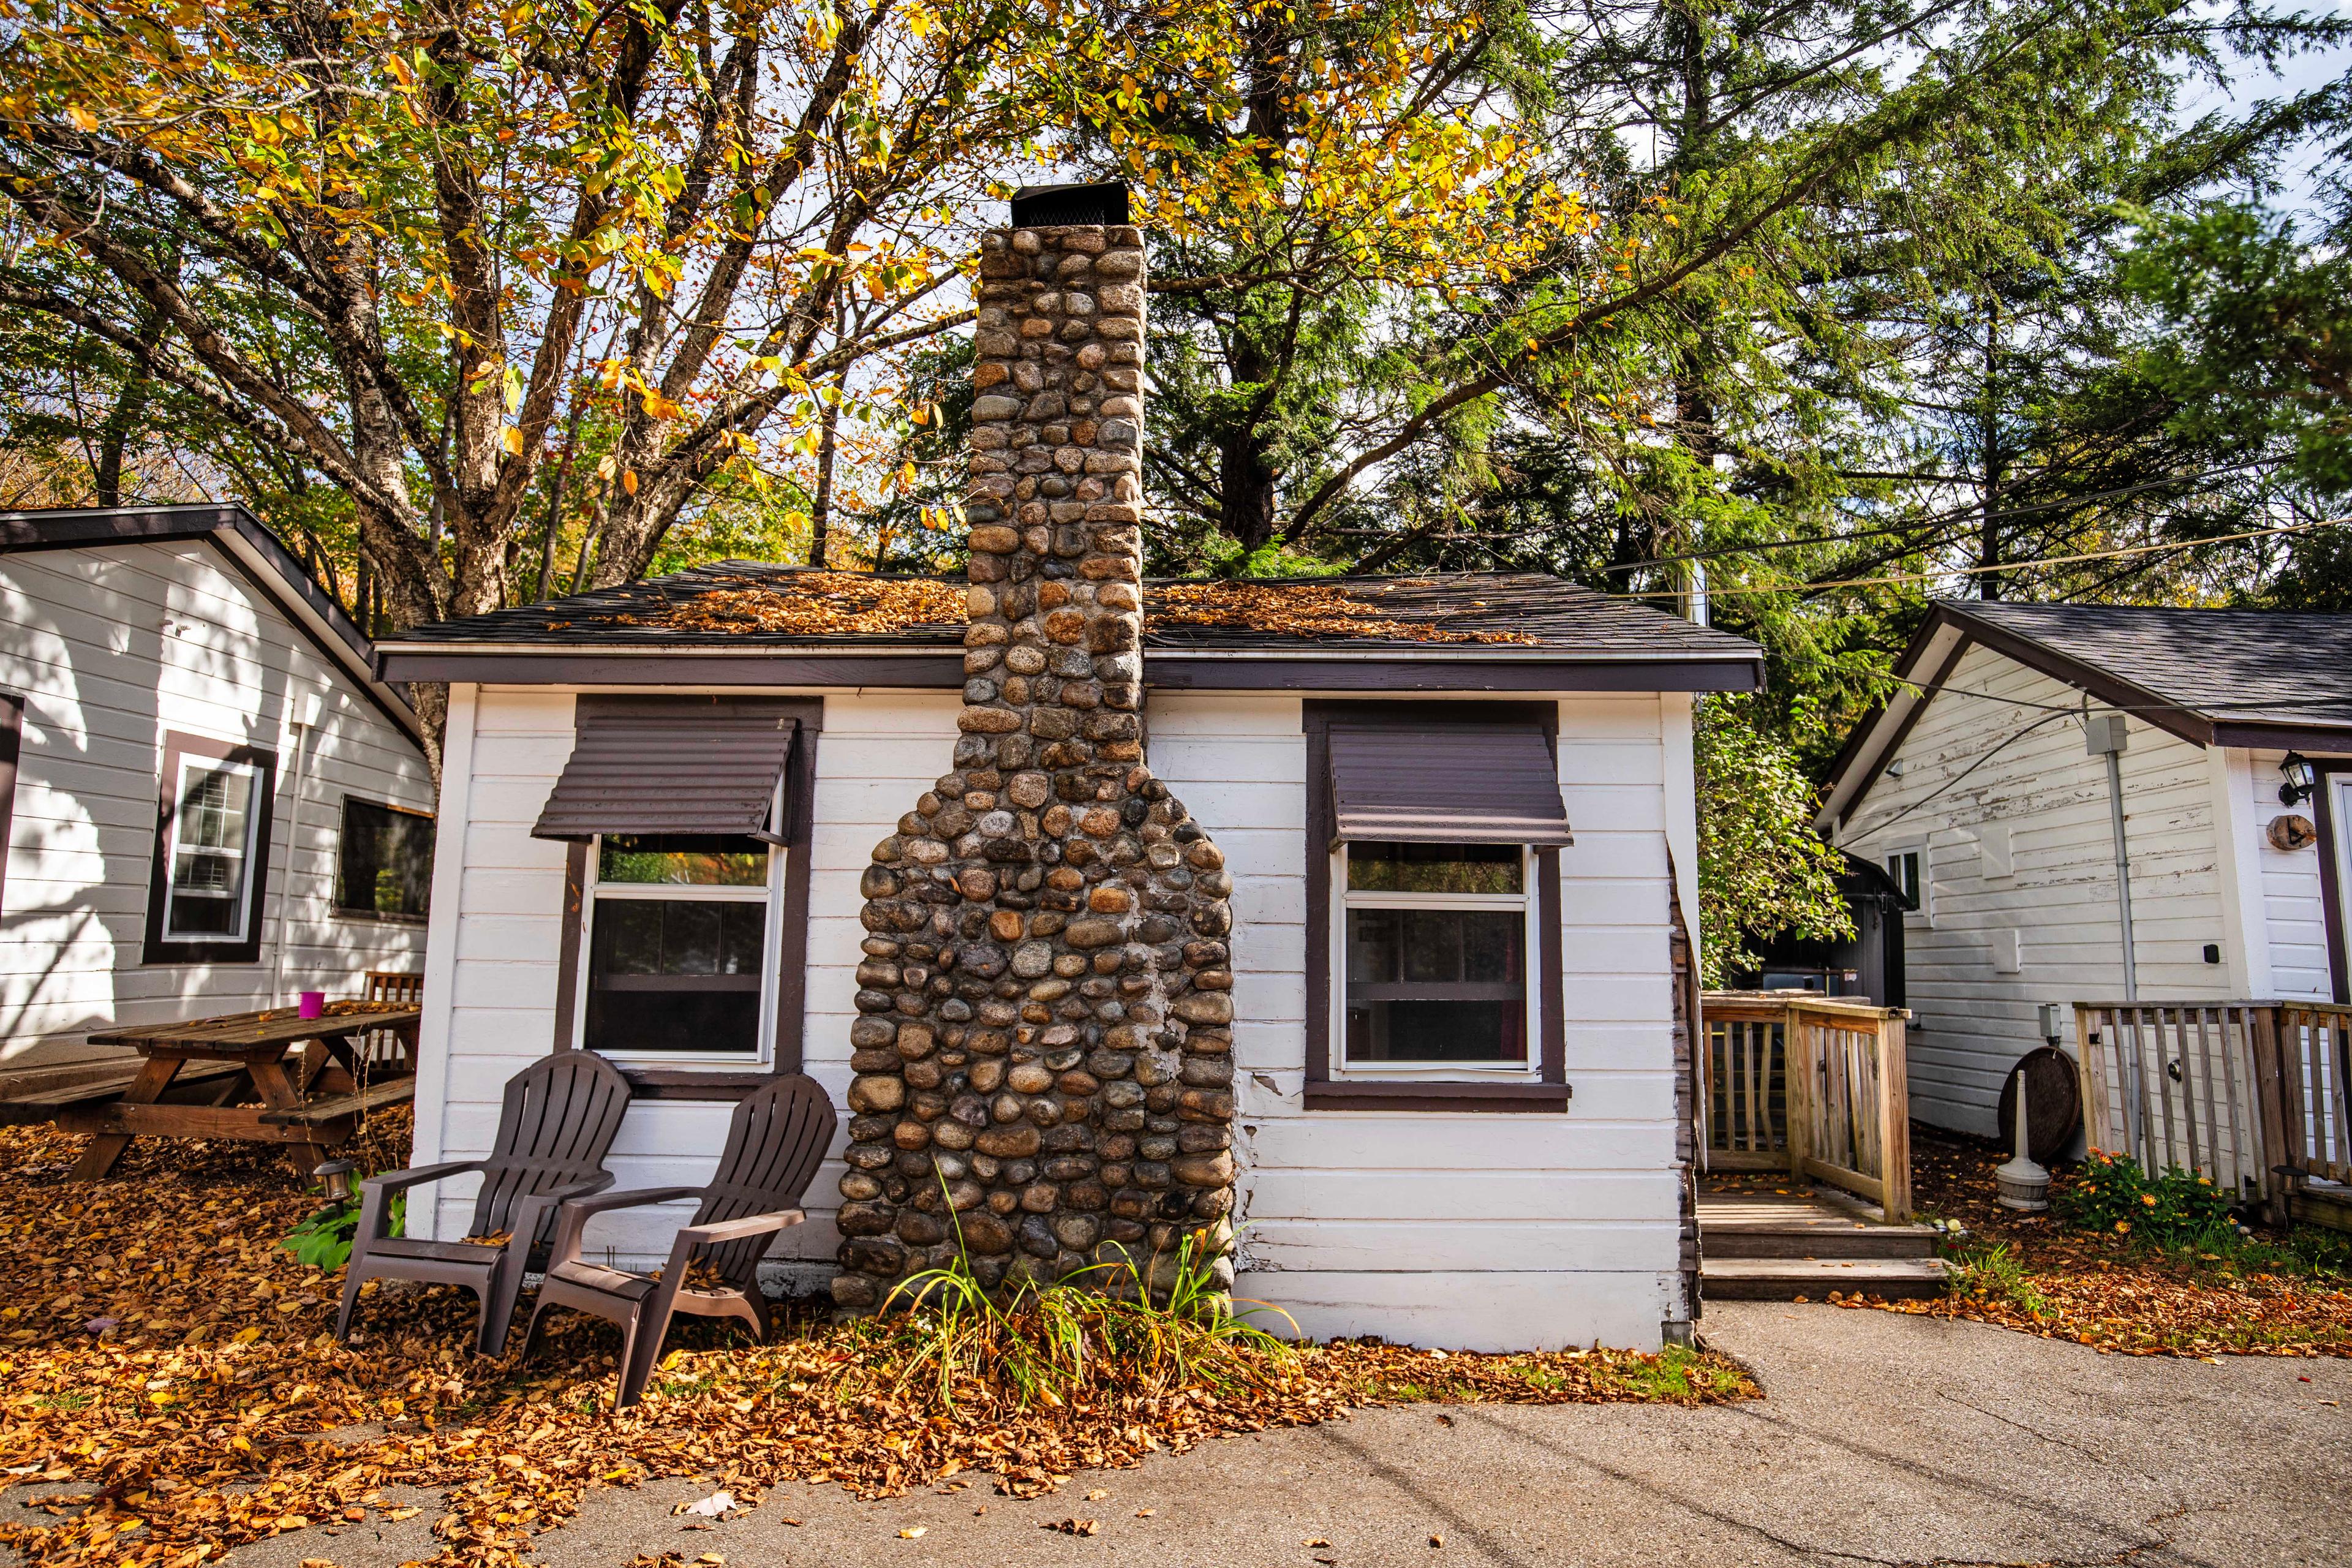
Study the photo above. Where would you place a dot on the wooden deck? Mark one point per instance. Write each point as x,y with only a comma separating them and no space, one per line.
1763,1241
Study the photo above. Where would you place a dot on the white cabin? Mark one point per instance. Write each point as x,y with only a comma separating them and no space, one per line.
209,801
2058,784
1542,1201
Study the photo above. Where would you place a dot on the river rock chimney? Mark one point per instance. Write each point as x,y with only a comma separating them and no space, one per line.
1044,1046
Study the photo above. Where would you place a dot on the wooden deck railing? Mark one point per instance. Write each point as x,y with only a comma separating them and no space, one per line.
2251,1094
1810,1086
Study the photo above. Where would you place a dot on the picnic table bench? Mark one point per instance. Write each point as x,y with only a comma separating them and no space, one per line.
311,1099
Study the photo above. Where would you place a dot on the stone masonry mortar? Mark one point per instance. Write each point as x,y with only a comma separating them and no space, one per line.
1044,1048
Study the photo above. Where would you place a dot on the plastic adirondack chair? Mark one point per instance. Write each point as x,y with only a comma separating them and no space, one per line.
778,1137
558,1120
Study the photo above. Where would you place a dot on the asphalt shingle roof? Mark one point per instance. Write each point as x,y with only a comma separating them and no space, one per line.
2230,666
742,602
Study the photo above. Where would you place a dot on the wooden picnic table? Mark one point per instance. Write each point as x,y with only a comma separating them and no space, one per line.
311,1100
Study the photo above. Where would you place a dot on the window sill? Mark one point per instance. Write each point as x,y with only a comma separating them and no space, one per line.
694,1083
1424,1094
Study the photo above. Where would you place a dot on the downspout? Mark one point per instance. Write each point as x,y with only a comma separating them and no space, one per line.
306,730
2105,735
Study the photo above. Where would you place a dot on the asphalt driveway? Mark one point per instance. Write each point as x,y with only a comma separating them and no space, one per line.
1883,1439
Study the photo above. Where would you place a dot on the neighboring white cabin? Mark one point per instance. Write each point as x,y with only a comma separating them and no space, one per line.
1980,785
193,724
1559,1220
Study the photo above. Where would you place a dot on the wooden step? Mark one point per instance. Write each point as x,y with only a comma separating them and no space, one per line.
1837,1242
1785,1280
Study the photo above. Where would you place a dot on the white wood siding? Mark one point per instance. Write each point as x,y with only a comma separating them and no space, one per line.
2284,924
1488,1230
112,647
2057,905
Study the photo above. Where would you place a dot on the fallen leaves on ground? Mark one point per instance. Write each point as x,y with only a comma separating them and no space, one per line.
170,1387
2105,1291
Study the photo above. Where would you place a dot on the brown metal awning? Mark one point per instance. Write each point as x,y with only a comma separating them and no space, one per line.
673,764
1446,784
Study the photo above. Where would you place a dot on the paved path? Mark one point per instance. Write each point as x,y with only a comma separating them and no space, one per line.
1883,1439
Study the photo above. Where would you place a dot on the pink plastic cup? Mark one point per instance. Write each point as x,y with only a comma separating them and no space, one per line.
311,1004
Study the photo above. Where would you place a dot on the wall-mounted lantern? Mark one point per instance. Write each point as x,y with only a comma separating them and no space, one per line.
2302,778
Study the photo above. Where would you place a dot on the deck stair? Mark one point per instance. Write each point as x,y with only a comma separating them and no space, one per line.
1790,1241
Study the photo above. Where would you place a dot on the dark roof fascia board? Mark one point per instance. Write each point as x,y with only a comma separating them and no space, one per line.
2284,737
253,550
930,669
1864,734
2113,689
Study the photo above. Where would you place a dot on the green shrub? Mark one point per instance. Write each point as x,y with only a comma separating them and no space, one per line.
324,1240
2176,1210
1995,1274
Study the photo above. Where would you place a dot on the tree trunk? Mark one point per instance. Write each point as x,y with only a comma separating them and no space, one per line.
1989,546
1245,483
821,503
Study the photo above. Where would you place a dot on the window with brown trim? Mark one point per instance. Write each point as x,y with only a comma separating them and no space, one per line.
1433,961
685,954
209,885
12,730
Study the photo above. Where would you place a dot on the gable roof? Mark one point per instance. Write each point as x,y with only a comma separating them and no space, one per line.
251,548
742,622
2214,678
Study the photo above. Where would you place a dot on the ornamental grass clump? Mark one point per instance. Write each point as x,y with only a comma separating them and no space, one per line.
2175,1212
1148,1328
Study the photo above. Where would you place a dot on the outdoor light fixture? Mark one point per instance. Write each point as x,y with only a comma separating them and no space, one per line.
335,1176
2302,778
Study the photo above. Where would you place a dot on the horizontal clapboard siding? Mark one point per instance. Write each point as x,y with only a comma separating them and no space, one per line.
112,647
1448,1229
1971,773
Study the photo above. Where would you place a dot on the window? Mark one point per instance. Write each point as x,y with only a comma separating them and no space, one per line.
1903,865
383,861
679,941
1435,971
1434,954
212,851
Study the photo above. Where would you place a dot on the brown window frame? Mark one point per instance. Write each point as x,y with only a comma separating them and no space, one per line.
335,905
791,958
11,734
1549,1090
157,948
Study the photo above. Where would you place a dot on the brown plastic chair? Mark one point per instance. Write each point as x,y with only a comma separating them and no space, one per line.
559,1119
775,1144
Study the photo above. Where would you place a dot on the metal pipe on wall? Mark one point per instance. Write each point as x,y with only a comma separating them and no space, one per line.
2105,735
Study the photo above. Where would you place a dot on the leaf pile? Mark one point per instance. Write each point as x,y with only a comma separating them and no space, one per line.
2110,1291
848,604
170,1387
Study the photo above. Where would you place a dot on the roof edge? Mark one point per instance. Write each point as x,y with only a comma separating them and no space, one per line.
259,556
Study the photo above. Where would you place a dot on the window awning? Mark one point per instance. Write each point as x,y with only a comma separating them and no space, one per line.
1492,783
674,764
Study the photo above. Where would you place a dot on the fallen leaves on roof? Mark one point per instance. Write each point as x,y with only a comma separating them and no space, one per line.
170,1389
846,604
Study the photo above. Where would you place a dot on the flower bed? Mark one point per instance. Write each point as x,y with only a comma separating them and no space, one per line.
169,1388
2101,1281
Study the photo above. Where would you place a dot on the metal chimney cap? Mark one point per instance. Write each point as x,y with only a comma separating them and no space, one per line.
1057,207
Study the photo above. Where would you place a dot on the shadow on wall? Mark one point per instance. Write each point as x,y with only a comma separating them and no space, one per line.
83,834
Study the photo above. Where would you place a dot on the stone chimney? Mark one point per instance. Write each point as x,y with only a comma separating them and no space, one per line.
1044,1046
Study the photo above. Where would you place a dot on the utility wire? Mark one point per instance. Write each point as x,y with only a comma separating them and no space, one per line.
2045,720
1899,577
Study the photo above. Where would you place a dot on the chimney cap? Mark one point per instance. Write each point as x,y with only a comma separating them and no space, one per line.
1044,206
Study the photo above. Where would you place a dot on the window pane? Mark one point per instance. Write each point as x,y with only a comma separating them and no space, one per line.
700,1023
676,974
211,820
1434,868
384,861
1436,986
678,859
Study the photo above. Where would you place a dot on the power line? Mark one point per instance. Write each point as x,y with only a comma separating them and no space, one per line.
1900,577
